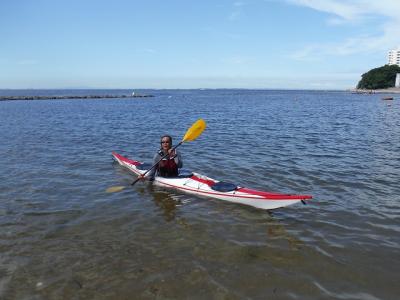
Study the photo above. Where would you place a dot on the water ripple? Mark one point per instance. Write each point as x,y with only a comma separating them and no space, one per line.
63,237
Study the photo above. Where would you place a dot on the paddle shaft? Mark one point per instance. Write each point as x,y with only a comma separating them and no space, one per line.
144,174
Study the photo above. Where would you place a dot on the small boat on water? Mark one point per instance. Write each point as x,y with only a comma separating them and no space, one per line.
387,98
197,184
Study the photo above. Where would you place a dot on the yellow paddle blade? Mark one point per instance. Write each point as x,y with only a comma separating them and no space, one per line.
194,132
114,189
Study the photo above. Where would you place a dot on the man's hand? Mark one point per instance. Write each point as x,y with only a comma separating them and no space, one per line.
171,153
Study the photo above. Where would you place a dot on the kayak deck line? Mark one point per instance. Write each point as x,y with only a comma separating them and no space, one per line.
201,185
235,194
267,195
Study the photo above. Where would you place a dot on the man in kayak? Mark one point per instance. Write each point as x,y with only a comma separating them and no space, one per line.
167,167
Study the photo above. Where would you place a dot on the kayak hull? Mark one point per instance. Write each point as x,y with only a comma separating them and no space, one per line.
204,186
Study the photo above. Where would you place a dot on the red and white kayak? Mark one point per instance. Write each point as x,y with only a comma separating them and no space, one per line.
194,183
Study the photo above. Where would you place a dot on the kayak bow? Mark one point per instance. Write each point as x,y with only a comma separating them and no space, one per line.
194,183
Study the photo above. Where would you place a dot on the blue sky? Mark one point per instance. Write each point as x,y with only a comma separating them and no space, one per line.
291,44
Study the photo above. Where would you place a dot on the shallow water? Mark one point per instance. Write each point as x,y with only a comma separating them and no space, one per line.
63,237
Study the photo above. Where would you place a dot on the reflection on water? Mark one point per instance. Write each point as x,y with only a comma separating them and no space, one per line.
165,201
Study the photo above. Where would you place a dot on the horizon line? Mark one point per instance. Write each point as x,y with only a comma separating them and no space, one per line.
198,88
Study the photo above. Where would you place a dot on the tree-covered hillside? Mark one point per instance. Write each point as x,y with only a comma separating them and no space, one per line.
379,78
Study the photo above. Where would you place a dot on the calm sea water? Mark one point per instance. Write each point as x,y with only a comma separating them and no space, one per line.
63,237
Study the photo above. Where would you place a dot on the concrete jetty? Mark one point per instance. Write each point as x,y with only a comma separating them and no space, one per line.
60,97
378,91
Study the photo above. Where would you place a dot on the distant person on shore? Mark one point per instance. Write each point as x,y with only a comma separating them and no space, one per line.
170,165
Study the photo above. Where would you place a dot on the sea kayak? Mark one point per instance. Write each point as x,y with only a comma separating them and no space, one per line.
194,183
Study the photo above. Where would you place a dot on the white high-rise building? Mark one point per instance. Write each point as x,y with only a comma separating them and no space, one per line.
394,57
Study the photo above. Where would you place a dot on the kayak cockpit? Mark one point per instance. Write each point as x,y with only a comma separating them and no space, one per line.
224,187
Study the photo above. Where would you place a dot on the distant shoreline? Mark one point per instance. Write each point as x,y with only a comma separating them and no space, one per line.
378,91
55,97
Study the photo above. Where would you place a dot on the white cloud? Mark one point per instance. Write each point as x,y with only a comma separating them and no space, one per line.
238,3
149,50
237,10
234,15
349,11
25,62
234,36
236,60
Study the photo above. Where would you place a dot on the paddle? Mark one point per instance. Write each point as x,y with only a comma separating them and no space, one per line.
191,134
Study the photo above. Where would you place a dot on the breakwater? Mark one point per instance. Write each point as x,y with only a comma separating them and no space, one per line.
60,97
377,91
